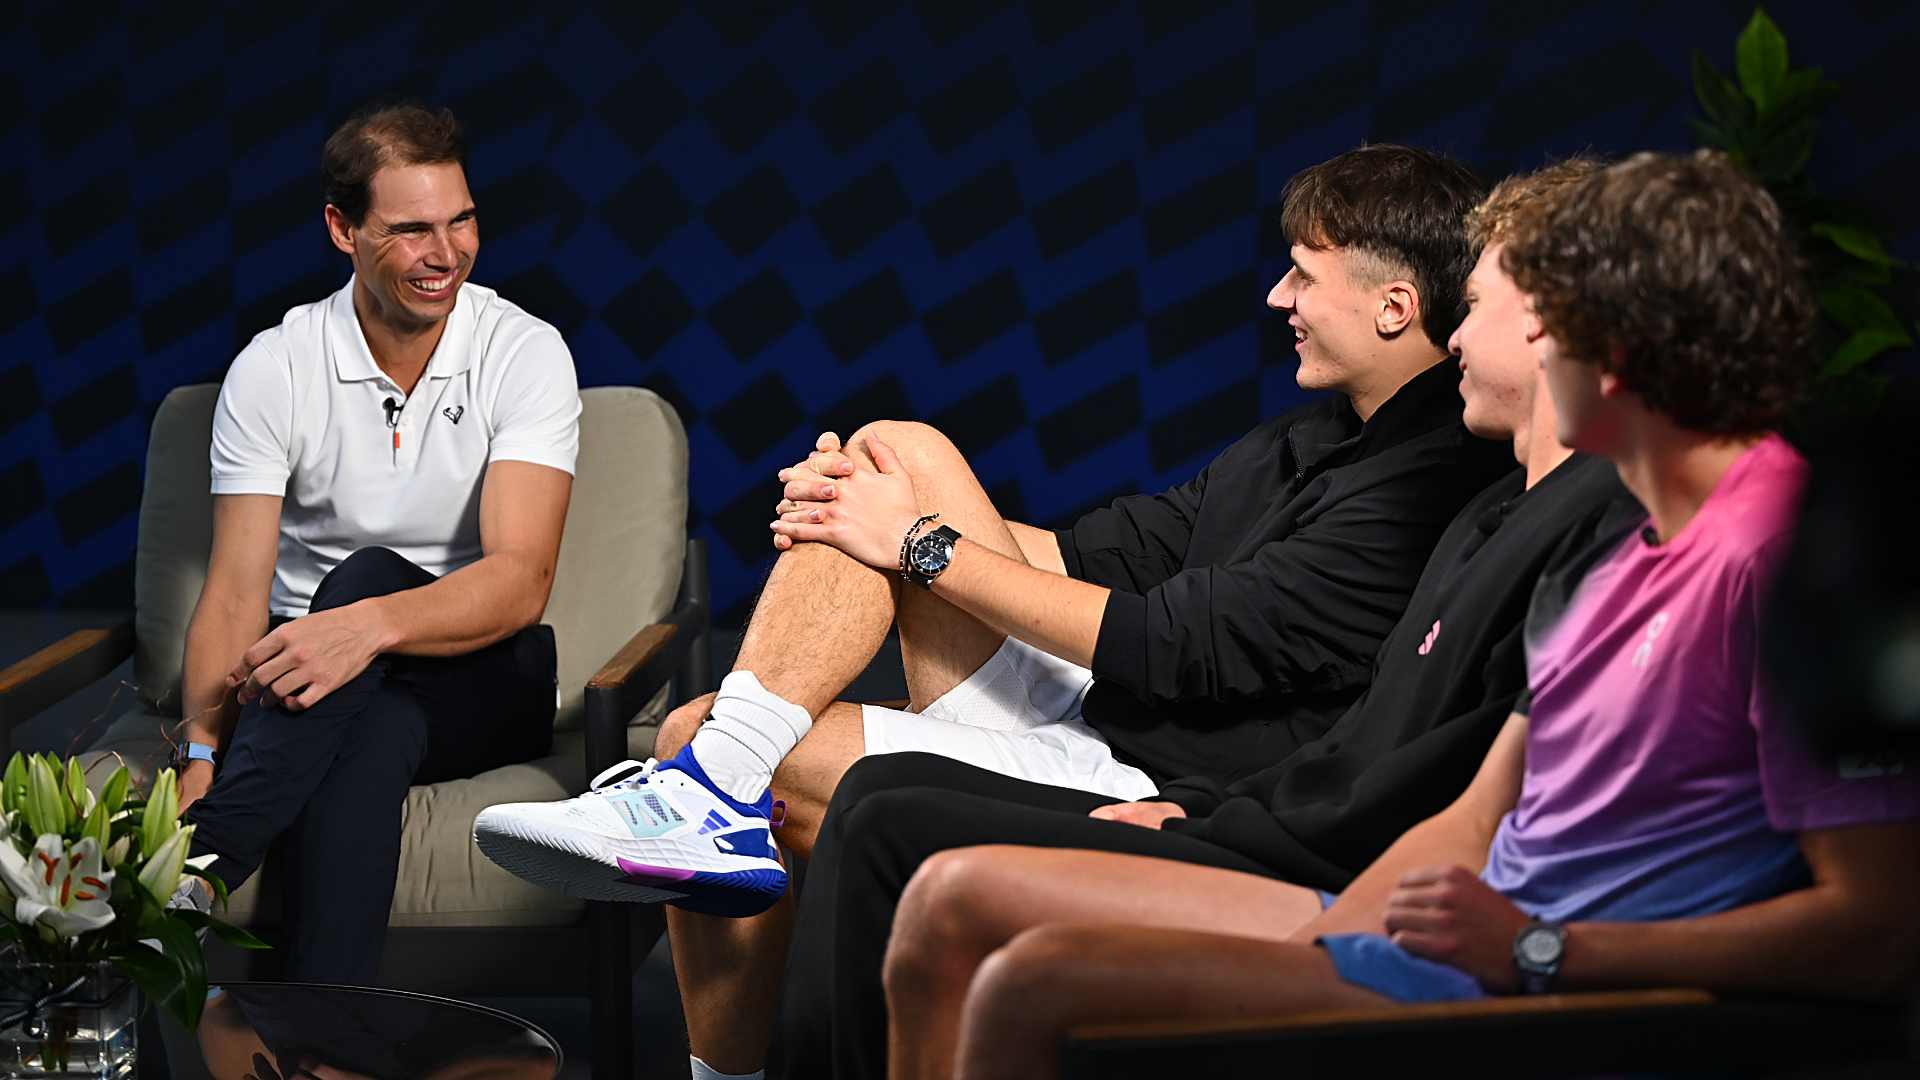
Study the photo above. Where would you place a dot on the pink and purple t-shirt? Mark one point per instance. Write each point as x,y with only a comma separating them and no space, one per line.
1661,780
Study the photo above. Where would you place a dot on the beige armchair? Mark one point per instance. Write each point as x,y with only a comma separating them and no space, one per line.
460,926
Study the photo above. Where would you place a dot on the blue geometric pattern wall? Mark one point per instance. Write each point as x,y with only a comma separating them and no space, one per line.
1040,227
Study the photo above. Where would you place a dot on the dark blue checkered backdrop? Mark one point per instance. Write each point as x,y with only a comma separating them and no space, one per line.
1039,227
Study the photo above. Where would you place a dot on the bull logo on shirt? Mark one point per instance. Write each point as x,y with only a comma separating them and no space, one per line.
1643,655
454,412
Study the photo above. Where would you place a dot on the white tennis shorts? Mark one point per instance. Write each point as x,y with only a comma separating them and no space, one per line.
1018,715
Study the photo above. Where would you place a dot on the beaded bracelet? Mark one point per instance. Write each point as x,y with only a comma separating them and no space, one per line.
906,544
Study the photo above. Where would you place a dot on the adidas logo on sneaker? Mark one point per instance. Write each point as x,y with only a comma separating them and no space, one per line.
663,827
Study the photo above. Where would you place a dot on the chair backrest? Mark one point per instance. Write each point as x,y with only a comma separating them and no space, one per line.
620,559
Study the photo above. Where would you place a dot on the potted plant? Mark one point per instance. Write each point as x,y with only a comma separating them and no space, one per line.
85,917
1765,117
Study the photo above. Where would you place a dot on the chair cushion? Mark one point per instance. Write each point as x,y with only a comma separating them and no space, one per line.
620,557
176,533
443,878
626,533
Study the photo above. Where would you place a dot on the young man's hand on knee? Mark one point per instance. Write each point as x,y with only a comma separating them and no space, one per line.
1148,814
827,462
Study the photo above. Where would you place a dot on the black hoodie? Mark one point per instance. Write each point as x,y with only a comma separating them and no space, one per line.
1445,682
1247,604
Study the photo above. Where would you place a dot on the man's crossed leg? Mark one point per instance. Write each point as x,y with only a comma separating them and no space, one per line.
974,695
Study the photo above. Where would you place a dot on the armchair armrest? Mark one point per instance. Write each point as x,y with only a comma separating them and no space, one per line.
59,670
674,647
1557,1034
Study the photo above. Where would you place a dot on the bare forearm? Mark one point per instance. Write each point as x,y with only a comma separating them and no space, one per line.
1813,941
1040,547
1447,838
216,636
471,608
1046,610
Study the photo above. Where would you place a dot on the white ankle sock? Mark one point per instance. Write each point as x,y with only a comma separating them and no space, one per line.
749,731
703,1071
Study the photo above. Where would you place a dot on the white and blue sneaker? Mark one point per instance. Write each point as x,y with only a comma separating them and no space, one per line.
644,833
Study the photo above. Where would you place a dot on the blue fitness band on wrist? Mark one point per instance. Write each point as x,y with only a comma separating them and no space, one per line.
200,752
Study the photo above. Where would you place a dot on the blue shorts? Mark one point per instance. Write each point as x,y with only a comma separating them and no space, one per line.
1372,962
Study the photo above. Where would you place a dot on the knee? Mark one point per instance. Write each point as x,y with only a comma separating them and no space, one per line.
880,773
368,572
1029,980
915,443
678,729
935,934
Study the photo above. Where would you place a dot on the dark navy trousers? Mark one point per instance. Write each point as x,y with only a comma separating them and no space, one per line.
325,787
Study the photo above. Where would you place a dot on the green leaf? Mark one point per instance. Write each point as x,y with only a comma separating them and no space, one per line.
225,931
1807,84
1760,59
1718,96
182,946
219,886
160,979
1857,308
1862,347
1856,242
1781,151
1710,136
115,793
1865,273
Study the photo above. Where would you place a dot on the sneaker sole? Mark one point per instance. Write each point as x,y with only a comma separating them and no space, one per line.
555,862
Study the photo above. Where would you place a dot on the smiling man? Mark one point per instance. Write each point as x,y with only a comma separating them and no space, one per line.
390,467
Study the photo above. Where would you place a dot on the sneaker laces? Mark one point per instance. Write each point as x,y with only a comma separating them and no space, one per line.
626,774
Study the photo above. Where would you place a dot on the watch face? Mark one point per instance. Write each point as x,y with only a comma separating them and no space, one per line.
931,554
1540,945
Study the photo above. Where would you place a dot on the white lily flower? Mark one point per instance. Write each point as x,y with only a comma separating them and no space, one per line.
63,889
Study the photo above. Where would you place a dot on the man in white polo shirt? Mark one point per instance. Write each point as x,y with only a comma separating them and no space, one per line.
391,467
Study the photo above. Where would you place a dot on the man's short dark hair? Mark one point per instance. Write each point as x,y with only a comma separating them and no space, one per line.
1676,273
1403,209
404,134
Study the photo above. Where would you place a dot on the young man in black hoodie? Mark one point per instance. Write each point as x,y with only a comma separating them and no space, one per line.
1209,629
1444,681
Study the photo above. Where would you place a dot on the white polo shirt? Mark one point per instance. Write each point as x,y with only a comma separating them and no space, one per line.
302,416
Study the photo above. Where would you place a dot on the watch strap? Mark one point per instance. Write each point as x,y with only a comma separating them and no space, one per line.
196,751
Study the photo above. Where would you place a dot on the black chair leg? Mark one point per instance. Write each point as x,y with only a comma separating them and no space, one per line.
612,929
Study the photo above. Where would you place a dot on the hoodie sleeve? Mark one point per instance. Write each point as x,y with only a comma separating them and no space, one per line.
1304,614
1137,541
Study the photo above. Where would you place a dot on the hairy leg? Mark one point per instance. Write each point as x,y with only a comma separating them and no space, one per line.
822,615
729,970
817,625
1032,991
940,645
964,904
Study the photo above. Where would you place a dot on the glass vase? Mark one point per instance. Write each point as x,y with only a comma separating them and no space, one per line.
64,1019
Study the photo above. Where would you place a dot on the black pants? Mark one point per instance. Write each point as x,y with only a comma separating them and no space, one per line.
890,814
327,784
